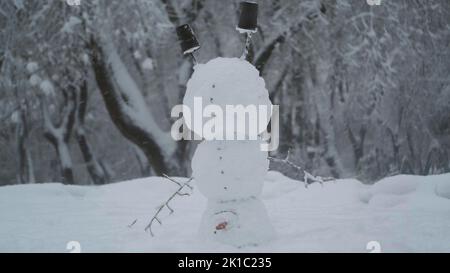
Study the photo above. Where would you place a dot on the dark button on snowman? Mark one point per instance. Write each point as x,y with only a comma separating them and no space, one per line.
230,173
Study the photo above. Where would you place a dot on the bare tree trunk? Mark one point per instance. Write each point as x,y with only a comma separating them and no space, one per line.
119,107
96,172
357,144
412,151
25,169
21,150
395,147
144,167
30,168
59,135
430,162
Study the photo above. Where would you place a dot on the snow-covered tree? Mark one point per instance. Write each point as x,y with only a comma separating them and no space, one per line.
363,90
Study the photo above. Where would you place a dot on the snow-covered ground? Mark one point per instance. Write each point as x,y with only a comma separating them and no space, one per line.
402,213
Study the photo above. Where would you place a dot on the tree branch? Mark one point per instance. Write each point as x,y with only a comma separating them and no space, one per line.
307,176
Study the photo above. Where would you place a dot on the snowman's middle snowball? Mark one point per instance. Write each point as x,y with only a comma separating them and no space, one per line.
230,170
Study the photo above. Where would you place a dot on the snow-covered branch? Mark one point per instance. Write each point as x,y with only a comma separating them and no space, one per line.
308,178
263,55
125,101
59,134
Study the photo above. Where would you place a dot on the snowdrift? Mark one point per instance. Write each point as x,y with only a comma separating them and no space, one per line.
402,213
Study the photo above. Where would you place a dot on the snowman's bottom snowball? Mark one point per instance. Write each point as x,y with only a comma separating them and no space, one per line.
237,223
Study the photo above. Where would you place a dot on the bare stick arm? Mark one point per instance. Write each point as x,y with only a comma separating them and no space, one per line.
166,204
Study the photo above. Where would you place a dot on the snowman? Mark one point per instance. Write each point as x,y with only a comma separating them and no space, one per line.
230,173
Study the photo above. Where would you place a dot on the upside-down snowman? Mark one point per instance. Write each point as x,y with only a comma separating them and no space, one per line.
230,173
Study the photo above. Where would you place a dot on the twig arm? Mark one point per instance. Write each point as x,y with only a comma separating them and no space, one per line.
166,204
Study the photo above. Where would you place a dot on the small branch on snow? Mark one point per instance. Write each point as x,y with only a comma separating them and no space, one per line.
166,204
132,224
306,175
